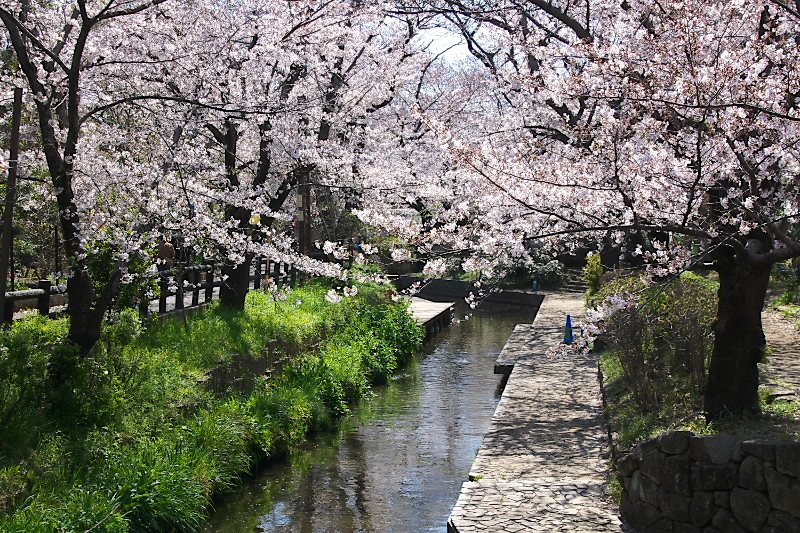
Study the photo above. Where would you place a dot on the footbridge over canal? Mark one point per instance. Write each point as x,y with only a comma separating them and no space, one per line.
433,316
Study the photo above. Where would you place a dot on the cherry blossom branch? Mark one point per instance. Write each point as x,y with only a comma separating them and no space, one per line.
785,7
689,232
10,20
663,101
552,213
105,14
746,167
561,16
176,99
784,238
315,16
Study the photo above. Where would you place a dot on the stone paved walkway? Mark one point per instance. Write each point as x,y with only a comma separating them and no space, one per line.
783,339
543,464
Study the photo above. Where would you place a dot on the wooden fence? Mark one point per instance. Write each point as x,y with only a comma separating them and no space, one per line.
45,289
199,281
185,289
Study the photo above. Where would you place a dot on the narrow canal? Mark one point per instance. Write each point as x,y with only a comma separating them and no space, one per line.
397,463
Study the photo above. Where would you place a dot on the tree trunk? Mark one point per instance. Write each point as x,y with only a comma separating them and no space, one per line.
739,340
234,288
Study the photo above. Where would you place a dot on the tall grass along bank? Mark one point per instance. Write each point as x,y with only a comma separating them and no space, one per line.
133,438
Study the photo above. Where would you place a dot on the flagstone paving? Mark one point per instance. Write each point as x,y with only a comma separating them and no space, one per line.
543,464
783,359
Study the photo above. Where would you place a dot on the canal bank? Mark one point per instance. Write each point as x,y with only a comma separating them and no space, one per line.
543,463
396,464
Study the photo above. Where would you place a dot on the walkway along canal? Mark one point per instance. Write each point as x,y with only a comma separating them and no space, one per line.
543,464
397,463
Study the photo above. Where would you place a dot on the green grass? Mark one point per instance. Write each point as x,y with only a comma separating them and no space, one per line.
791,312
133,441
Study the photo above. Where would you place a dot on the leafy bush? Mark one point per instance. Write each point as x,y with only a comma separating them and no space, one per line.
79,509
661,333
786,275
550,273
593,273
630,337
25,360
618,285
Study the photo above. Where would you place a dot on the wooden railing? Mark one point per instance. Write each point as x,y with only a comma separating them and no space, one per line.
177,282
45,289
198,280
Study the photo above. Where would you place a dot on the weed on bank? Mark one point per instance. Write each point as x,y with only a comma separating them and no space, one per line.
133,439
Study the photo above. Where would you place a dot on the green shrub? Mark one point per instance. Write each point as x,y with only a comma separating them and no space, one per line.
224,436
662,336
396,336
344,364
785,275
155,485
550,273
593,273
25,357
633,284
282,413
78,510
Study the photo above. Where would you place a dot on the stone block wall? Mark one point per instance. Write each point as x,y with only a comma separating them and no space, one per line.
683,483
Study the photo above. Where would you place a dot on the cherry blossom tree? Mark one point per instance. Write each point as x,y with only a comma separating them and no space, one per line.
670,124
339,63
157,116
669,128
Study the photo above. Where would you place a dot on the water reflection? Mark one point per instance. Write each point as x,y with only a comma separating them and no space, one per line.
398,462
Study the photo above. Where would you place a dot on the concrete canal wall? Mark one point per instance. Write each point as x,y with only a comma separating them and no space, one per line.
433,316
451,289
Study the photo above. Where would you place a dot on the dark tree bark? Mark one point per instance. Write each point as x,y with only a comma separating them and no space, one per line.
739,340
235,276
234,288
87,308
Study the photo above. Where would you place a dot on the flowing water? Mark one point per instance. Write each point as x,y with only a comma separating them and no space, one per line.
396,464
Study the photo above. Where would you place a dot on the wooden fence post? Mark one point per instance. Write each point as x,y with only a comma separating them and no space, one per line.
144,306
272,344
8,311
257,272
195,286
163,286
43,301
209,283
179,290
